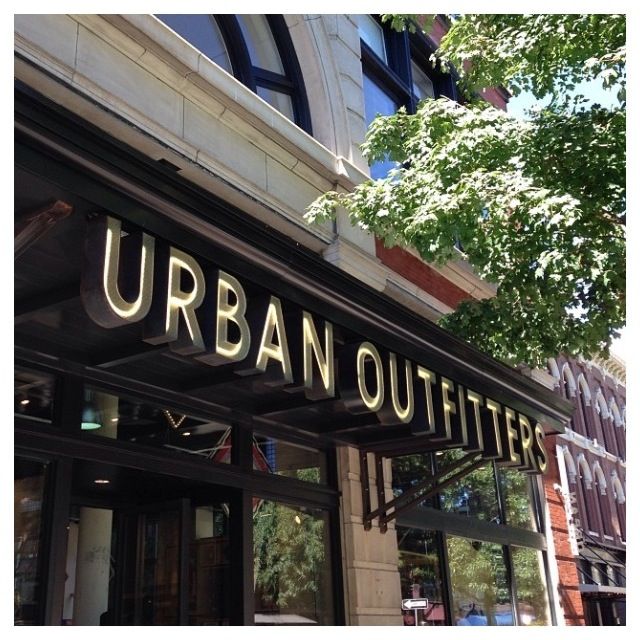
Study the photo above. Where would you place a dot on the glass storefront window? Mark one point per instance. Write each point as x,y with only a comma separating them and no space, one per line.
122,418
292,570
29,476
474,495
129,561
531,586
518,499
420,575
287,459
33,395
409,471
480,590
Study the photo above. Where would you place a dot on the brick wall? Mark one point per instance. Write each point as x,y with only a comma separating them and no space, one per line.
420,274
568,584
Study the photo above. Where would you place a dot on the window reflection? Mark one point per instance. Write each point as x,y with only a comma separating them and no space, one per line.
479,584
420,574
33,395
372,33
291,565
473,495
278,100
531,587
203,33
260,42
422,83
287,459
518,499
123,418
409,471
378,102
27,512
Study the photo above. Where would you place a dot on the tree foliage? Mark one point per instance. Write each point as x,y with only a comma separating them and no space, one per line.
537,206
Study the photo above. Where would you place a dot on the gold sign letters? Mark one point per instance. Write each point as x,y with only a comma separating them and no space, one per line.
205,313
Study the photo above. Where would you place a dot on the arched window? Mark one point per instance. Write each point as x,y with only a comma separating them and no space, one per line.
569,464
615,412
616,486
606,422
554,371
585,392
620,427
601,405
600,479
584,396
569,381
585,472
603,499
257,50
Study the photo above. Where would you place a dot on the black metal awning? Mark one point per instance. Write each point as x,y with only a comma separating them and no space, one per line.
62,158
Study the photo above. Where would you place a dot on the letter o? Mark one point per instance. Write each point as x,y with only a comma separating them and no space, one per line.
372,402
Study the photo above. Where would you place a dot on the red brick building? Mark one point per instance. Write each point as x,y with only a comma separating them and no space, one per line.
586,489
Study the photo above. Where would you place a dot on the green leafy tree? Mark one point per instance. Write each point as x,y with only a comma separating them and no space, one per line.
289,559
538,205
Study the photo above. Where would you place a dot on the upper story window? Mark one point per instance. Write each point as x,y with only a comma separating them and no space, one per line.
257,50
396,72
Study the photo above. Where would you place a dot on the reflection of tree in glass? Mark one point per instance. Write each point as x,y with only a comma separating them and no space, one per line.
478,576
409,471
474,494
419,563
517,498
530,587
288,557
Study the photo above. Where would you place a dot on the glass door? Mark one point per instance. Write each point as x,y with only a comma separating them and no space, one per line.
147,563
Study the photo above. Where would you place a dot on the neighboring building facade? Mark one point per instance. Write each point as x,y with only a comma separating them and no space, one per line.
225,415
590,486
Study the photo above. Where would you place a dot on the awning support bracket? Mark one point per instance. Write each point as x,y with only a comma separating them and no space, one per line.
433,483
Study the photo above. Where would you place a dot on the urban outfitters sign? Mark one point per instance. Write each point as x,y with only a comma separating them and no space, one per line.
205,313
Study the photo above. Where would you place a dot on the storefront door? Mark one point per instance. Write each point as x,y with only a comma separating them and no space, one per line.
151,563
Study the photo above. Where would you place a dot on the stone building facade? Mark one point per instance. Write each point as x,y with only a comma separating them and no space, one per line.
219,145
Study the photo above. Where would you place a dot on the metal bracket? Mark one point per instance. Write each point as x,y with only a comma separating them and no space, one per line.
433,483
32,225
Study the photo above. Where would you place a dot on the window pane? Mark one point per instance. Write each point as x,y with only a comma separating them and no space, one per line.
209,568
518,499
371,33
408,471
420,576
422,84
531,586
474,495
260,43
377,102
203,33
292,570
280,101
33,395
287,459
479,584
123,418
27,513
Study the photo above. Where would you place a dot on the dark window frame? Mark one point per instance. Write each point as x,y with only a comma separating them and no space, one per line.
290,84
394,77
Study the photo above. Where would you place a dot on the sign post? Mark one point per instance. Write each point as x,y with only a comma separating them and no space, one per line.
415,605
